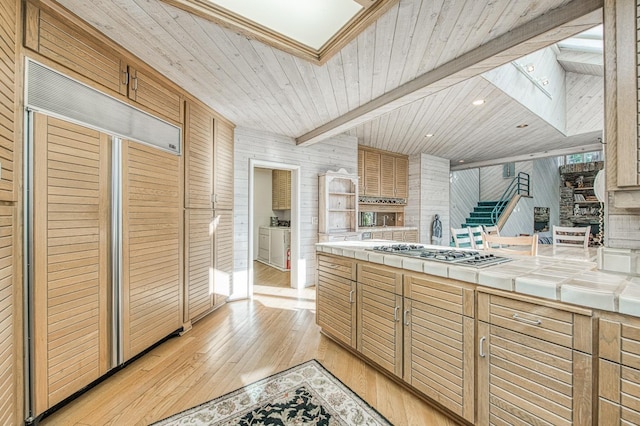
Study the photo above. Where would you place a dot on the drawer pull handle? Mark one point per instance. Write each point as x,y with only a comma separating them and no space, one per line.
481,346
351,296
526,320
395,313
406,319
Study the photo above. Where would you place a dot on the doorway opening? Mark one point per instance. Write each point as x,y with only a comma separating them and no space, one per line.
274,240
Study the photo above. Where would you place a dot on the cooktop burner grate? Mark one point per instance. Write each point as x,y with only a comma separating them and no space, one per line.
459,257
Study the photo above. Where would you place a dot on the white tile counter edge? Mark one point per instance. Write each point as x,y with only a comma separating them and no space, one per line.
605,300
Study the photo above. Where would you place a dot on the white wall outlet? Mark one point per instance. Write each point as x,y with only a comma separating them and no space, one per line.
314,220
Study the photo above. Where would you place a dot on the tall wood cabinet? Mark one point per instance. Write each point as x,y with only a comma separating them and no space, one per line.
209,210
534,363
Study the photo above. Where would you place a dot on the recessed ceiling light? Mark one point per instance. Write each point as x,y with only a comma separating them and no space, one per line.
461,161
530,67
428,135
522,126
545,81
478,102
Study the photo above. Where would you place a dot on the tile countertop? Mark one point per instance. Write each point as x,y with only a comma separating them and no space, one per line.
386,228
568,275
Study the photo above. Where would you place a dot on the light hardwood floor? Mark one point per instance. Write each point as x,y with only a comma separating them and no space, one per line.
240,343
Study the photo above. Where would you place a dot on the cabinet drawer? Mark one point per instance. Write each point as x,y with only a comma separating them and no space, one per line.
337,266
263,254
380,277
440,292
544,322
263,231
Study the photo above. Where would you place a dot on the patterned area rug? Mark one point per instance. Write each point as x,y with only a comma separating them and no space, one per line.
306,394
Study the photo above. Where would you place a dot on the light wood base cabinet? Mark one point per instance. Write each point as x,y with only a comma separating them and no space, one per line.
439,341
379,312
529,371
619,371
336,298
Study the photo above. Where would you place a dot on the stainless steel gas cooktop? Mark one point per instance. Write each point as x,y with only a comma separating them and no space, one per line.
458,257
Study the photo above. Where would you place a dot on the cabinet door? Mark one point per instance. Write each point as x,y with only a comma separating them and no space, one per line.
154,95
223,166
619,371
387,176
379,327
401,184
71,269
223,255
439,341
198,262
411,236
8,101
379,310
152,246
371,174
73,49
198,157
525,380
276,249
336,298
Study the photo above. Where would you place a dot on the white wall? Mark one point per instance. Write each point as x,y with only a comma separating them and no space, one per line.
493,185
262,192
337,152
434,195
464,195
521,219
545,187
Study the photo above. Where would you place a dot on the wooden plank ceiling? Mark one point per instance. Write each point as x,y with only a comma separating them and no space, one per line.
259,87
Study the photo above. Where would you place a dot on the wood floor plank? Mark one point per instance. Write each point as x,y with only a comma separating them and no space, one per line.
237,344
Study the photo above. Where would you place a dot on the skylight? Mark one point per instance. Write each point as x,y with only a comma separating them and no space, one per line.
310,22
589,41
311,29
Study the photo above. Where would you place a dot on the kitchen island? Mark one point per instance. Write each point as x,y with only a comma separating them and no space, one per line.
522,341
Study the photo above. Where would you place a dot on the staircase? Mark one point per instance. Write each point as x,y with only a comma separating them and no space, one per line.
481,214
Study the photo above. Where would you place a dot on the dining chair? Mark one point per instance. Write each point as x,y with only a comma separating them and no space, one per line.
522,245
571,236
475,233
491,230
461,237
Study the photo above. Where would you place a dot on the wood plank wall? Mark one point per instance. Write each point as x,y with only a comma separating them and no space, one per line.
9,374
8,84
493,185
340,151
465,194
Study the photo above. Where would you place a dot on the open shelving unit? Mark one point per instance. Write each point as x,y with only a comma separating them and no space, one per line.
578,203
338,204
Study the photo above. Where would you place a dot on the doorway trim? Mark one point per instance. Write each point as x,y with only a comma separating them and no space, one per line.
296,282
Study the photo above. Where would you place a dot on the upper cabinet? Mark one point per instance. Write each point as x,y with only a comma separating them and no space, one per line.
68,45
198,150
621,102
382,173
223,165
281,190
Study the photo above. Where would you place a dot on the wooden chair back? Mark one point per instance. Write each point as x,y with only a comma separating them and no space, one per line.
571,236
475,233
491,230
461,237
524,245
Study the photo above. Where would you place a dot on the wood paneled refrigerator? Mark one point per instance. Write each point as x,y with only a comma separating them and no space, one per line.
103,240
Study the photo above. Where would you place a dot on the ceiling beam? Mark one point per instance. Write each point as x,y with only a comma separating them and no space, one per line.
557,24
528,157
